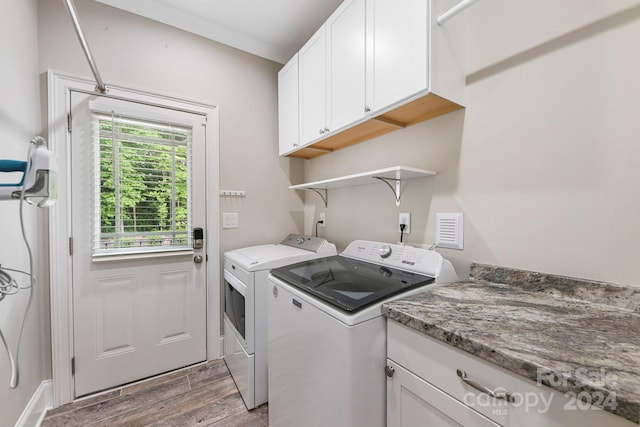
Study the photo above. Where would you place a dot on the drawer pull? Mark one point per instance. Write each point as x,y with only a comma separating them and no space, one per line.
496,395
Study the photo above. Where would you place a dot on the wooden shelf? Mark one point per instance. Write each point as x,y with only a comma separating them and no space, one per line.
395,175
419,110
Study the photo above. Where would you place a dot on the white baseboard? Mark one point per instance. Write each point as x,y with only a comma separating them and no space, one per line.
36,409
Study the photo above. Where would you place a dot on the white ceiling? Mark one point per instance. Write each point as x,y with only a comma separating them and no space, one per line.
272,29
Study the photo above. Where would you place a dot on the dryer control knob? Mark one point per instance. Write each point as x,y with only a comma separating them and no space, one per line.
385,251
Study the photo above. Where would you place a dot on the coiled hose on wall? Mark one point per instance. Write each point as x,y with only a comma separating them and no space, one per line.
9,286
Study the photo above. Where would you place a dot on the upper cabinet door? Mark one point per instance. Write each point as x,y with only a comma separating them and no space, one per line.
313,82
397,50
288,106
346,64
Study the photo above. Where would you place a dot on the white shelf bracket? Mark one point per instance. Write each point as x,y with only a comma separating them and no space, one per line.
396,190
323,193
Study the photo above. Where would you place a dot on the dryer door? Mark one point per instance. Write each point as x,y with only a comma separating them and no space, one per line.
235,307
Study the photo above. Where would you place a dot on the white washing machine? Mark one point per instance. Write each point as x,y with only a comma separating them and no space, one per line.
327,337
245,314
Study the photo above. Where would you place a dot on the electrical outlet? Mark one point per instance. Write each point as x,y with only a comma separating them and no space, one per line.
405,218
322,218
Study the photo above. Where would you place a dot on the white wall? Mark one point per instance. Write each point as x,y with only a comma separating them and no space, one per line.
140,53
543,161
19,123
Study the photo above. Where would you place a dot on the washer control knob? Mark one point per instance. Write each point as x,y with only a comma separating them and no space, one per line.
385,251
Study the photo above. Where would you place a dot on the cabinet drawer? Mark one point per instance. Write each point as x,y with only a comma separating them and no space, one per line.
412,402
534,405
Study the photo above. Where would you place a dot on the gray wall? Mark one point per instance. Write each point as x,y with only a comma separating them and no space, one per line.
544,160
19,123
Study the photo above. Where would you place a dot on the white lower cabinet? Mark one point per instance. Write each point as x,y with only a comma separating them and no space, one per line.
424,389
412,402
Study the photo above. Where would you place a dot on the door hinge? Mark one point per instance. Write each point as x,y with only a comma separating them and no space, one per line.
70,245
69,120
73,366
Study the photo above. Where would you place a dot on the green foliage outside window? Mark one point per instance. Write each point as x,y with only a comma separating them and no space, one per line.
144,191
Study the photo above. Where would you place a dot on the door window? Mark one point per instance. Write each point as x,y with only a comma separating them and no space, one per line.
142,199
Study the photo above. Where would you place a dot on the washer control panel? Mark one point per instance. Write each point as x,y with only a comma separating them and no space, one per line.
417,260
312,244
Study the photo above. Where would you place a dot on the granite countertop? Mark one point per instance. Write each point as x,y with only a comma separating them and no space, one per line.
587,333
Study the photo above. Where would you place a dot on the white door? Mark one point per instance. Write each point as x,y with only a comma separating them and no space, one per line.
312,96
138,190
397,50
345,30
288,106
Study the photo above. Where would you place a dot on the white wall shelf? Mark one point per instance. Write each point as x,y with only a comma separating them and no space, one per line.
392,177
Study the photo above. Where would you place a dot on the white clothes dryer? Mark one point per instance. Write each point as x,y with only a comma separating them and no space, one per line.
245,313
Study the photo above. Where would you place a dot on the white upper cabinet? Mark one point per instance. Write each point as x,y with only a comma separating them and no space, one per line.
346,65
288,106
397,51
313,85
332,73
376,66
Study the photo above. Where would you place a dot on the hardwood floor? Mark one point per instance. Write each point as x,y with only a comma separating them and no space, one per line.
203,395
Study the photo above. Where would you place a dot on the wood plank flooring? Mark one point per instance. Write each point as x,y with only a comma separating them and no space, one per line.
204,395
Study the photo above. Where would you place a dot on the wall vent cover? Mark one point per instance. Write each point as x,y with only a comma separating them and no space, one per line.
449,230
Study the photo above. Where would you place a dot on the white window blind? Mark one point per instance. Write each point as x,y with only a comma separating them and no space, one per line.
142,185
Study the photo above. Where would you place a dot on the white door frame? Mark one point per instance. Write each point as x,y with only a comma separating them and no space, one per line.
60,272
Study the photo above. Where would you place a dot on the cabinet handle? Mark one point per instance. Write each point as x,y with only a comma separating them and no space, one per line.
326,130
367,109
321,131
496,395
295,144
389,370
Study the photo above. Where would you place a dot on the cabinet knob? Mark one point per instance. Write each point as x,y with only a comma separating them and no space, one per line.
321,131
367,109
326,130
295,144
389,371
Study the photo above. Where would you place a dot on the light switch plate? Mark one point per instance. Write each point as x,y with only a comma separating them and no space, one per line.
229,220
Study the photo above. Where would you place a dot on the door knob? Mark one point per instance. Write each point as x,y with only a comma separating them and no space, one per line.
197,259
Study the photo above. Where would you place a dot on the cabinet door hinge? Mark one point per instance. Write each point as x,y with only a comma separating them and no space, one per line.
73,366
69,120
70,245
